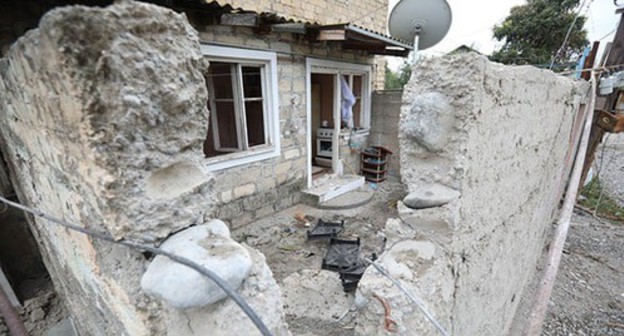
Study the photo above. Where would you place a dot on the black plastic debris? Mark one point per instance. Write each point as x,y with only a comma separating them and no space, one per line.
341,254
325,230
353,273
349,286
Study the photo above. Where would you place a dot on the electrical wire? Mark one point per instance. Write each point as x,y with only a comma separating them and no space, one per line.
157,251
567,37
607,35
410,296
368,13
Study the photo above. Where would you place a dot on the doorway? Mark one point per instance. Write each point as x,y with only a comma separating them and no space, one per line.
322,125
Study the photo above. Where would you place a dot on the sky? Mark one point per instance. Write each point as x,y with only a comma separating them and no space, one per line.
473,21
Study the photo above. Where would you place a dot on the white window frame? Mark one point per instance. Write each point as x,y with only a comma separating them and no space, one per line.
243,57
315,65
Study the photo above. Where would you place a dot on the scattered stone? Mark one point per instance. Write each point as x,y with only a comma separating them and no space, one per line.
184,288
430,196
37,315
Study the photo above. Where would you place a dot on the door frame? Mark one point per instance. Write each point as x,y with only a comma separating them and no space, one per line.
336,68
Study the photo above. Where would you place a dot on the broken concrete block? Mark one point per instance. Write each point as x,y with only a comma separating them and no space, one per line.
316,295
182,287
430,121
430,196
421,268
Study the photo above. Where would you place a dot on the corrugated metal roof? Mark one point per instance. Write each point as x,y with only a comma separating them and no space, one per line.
358,35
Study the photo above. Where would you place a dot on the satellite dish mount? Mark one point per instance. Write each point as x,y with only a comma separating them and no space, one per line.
425,22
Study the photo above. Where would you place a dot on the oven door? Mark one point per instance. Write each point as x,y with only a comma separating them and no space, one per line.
324,147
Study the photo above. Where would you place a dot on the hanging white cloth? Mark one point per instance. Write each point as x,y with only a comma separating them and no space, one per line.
348,100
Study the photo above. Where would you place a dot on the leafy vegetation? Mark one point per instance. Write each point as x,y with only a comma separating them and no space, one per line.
396,81
533,33
607,207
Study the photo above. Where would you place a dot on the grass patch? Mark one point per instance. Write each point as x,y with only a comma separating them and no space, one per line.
608,208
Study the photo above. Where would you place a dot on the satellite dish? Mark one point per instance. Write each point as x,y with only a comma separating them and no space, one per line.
425,22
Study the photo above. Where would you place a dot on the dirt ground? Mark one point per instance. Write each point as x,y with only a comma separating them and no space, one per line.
588,297
315,303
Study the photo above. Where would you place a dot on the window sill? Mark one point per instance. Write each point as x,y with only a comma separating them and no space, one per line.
242,158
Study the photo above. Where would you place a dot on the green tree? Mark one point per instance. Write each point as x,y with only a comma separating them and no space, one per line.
533,33
396,81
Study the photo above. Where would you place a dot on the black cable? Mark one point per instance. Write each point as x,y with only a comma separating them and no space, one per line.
157,251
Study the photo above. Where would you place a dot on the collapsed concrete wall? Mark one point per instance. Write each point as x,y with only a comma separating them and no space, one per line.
483,151
103,121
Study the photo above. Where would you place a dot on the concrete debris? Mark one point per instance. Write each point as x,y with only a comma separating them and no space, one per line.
37,315
184,288
419,267
315,294
430,196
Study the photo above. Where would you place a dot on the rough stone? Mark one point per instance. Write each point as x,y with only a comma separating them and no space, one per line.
225,317
218,228
37,314
103,122
430,122
430,196
184,288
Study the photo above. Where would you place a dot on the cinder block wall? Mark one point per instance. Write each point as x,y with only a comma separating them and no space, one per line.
385,113
259,189
499,136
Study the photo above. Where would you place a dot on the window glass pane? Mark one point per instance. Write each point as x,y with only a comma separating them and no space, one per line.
255,123
221,76
252,82
226,119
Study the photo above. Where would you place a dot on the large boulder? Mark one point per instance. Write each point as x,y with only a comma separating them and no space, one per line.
211,247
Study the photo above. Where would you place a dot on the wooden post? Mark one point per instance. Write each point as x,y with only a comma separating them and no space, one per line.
615,57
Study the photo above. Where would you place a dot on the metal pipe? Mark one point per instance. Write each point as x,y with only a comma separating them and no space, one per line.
11,318
547,282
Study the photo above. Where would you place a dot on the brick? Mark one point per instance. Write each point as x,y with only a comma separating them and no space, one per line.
283,168
264,211
267,184
291,154
244,190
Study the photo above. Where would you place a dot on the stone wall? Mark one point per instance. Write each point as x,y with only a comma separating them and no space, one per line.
259,189
386,109
104,117
483,153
